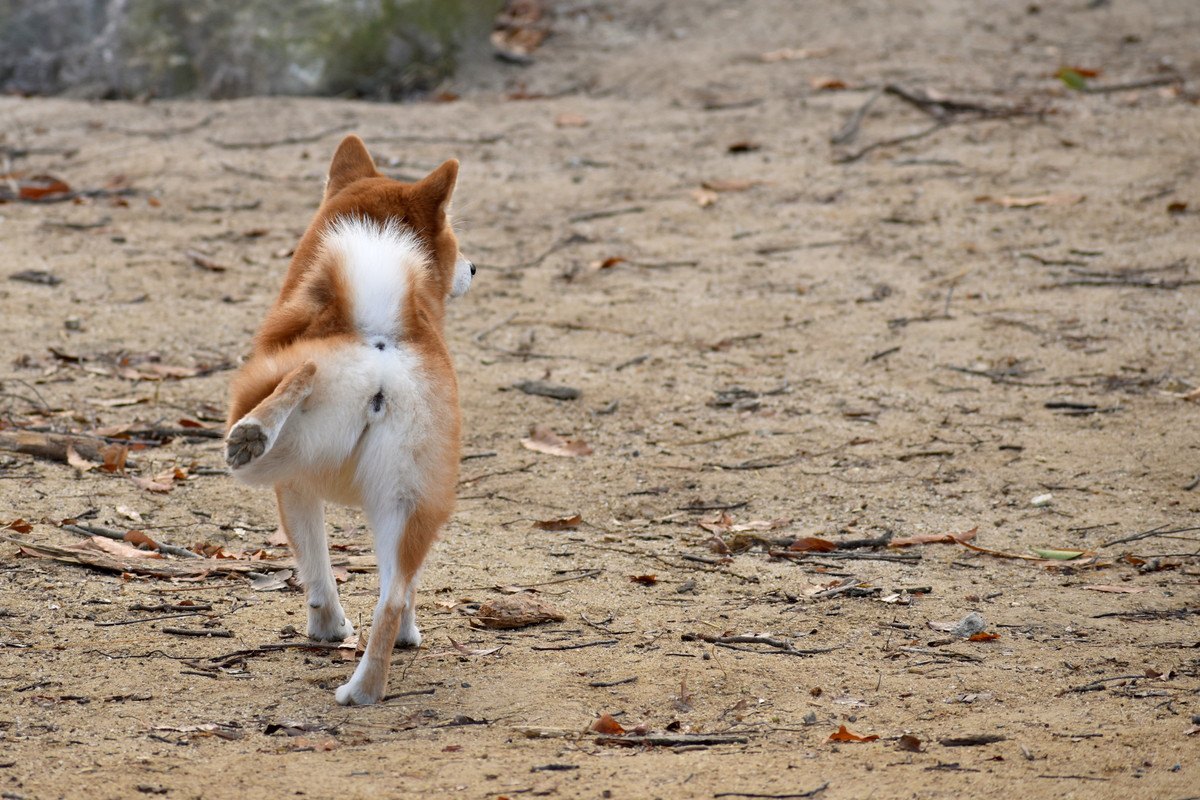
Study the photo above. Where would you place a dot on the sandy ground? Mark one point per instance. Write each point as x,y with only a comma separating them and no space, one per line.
926,338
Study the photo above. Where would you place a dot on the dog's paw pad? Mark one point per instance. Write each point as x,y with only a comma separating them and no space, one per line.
246,442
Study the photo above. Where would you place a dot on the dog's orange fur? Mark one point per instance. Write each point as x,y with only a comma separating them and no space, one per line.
312,319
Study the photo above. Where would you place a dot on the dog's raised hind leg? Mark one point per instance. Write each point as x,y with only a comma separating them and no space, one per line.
253,435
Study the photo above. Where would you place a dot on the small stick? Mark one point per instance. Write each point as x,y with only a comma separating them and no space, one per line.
849,131
148,619
607,684
809,793
616,212
668,740
580,646
1096,686
1159,531
214,632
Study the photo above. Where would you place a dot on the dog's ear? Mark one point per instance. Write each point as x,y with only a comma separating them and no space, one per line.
433,192
350,163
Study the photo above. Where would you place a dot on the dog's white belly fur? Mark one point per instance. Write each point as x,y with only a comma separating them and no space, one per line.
367,420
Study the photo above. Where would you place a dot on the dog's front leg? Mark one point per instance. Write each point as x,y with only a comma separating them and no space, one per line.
302,515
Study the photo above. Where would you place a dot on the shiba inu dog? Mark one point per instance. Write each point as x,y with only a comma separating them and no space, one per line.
350,394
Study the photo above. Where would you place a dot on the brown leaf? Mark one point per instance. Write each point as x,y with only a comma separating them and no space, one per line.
827,83
543,440
155,484
910,743
515,611
729,185
792,54
812,544
204,262
704,197
41,187
607,263
1117,589
644,580
606,725
760,525
112,548
983,636
571,121
843,735
191,423
561,524
1177,207
79,462
139,538
467,651
935,538
114,457
18,525
1059,199
716,522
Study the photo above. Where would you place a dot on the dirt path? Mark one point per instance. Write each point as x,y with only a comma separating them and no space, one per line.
988,328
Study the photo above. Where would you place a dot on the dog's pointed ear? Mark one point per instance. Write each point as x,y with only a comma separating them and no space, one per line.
350,163
435,189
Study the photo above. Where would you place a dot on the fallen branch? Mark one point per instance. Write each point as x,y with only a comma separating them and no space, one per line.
54,446
1161,530
672,740
782,646
118,536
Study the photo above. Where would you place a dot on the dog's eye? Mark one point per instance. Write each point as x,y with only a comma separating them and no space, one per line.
472,269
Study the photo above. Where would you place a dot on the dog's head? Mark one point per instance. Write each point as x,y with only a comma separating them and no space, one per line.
355,188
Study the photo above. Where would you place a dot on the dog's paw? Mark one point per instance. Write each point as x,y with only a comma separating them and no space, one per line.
409,635
352,694
328,627
247,441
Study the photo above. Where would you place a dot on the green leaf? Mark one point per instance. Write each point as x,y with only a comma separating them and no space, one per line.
1072,79
1058,555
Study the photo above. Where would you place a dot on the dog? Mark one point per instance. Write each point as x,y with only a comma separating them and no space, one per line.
350,395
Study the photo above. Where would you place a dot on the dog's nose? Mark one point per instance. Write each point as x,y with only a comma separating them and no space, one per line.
472,267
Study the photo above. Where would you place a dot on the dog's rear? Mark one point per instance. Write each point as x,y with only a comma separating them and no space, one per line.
350,394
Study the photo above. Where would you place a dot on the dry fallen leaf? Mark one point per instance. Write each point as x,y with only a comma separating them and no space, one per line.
760,525
827,83
129,513
114,458
793,54
515,611
41,187
571,121
155,484
812,544
113,548
18,525
935,538
543,440
910,743
729,185
561,524
704,197
467,651
843,735
79,462
139,538
983,637
271,581
716,522
1117,589
606,725
644,580
607,263
1059,199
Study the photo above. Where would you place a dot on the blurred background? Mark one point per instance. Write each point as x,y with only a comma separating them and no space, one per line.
378,49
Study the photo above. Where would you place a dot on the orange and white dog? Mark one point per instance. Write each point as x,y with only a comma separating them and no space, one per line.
350,394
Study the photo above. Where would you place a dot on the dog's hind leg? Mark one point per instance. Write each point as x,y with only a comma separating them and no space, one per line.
253,435
402,539
302,515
